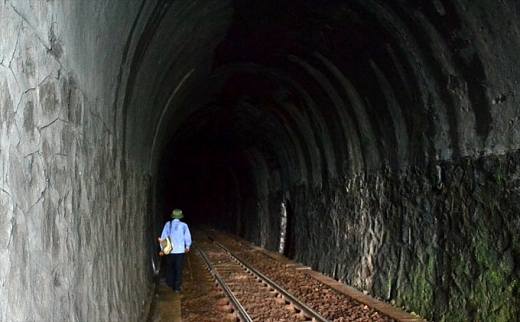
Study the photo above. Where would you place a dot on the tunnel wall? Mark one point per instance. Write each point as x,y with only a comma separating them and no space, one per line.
422,209
73,209
440,241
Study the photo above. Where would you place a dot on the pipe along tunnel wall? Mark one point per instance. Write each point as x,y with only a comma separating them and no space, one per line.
386,131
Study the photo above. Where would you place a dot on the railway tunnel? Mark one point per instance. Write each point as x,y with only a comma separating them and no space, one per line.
376,141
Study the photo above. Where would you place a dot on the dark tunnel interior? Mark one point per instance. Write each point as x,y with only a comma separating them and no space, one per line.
206,167
352,136
374,141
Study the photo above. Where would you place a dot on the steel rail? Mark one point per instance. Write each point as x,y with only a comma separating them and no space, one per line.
240,309
288,296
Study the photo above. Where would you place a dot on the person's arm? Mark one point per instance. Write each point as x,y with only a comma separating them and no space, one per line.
187,239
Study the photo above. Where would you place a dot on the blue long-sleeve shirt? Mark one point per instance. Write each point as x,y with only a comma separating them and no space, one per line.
179,235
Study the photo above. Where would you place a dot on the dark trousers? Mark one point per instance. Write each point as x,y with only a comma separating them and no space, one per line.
174,265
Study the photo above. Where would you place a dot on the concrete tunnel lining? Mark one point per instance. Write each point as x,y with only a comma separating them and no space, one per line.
389,129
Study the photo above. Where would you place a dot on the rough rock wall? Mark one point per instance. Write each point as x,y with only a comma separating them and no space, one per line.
424,210
72,215
441,241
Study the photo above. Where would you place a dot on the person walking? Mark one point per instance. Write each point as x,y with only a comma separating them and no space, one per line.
180,237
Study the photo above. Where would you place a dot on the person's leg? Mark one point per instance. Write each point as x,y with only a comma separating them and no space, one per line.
169,270
177,271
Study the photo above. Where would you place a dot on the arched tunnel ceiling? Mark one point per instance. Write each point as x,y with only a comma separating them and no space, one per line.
284,93
376,141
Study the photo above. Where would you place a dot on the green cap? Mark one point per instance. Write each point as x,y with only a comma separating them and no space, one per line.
177,214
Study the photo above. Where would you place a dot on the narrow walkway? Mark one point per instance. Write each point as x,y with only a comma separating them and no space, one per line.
167,304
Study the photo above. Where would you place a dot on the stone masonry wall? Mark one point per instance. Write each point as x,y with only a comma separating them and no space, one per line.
442,241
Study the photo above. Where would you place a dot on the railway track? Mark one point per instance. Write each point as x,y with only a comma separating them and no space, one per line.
264,287
326,301
250,291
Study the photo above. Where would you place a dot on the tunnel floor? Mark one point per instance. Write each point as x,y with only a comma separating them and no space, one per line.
202,300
